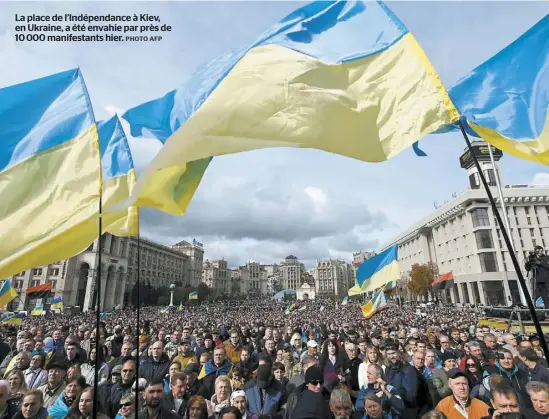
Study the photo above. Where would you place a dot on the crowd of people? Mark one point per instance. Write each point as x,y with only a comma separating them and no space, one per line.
252,359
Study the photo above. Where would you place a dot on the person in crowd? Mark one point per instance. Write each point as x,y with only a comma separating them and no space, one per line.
197,408
403,378
297,380
87,369
539,396
7,408
36,375
127,407
156,367
216,367
60,408
310,399
175,367
32,406
390,400
459,404
153,397
185,356
265,395
531,366
175,399
440,375
110,393
55,385
221,396
504,400
505,366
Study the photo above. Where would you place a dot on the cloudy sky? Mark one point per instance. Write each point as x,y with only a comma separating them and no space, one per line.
267,204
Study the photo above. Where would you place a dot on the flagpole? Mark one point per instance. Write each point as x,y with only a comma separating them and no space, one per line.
138,284
505,216
516,265
98,308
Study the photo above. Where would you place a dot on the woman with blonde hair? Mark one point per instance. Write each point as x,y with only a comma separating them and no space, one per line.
18,386
221,397
373,356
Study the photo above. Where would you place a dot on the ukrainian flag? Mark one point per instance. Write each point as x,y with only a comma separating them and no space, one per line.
377,271
390,286
7,293
50,172
505,100
57,304
343,77
13,319
375,305
345,301
118,178
193,295
38,310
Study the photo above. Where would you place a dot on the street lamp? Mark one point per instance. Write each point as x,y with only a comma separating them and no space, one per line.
172,288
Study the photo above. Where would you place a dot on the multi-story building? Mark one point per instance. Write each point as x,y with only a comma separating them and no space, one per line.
195,252
290,272
74,279
359,257
463,236
331,277
216,275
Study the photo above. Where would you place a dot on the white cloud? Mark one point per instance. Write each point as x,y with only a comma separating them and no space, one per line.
318,197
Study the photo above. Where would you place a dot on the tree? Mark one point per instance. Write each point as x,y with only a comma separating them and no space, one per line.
421,278
204,291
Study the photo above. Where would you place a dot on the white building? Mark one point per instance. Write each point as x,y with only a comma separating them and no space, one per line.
333,277
216,275
359,257
290,272
74,279
463,237
195,252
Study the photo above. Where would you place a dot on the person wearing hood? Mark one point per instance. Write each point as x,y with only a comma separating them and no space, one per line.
213,368
265,395
310,399
156,367
505,366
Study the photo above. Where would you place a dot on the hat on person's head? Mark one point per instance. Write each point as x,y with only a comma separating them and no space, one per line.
185,342
208,336
312,344
455,373
448,355
287,347
376,335
237,393
263,376
313,374
143,339
117,370
191,368
58,365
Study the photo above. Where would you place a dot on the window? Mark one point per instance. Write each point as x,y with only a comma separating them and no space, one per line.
54,272
484,239
480,217
488,262
490,177
53,284
37,271
35,283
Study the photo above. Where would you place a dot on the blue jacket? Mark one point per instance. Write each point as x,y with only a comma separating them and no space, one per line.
394,404
275,398
404,379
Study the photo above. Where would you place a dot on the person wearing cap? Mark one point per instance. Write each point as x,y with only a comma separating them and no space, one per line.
297,380
186,355
459,405
312,350
55,385
116,377
310,399
265,395
238,400
440,375
194,386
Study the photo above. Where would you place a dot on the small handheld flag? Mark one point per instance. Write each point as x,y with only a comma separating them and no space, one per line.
193,295
375,305
57,304
38,310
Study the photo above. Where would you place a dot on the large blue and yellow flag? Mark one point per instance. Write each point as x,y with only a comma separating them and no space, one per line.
377,271
13,319
118,178
7,293
38,310
343,77
375,305
57,304
505,100
50,172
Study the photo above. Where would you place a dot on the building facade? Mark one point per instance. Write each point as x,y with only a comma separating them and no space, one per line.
216,275
290,272
74,279
333,277
359,257
195,253
463,236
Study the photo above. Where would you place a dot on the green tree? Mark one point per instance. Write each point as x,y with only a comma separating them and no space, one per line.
421,278
163,300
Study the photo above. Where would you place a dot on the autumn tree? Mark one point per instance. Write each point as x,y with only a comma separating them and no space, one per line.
421,278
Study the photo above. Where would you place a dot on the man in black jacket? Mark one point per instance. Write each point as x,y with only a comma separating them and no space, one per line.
154,395
403,378
538,263
157,366
176,400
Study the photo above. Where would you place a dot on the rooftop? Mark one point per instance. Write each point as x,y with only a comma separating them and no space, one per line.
513,194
